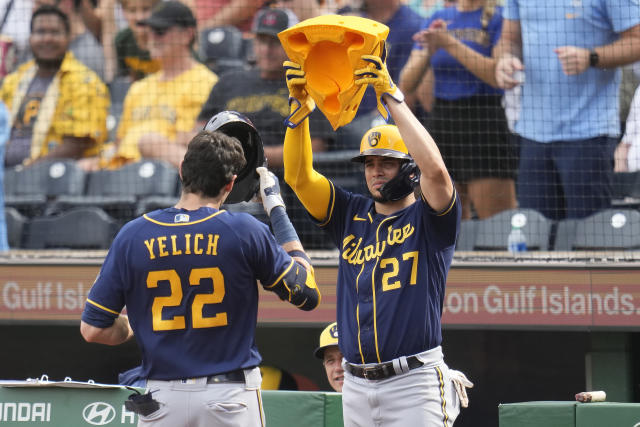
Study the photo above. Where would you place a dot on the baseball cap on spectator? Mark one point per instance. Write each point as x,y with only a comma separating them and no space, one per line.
167,14
271,21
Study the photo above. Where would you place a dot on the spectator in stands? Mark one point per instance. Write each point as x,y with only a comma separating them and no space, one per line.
467,119
261,93
58,106
127,54
83,43
403,23
160,110
5,129
240,13
568,124
331,356
627,155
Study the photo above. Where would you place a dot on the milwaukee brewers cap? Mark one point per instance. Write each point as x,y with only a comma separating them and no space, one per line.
328,338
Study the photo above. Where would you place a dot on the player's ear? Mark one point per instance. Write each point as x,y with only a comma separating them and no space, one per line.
228,187
180,170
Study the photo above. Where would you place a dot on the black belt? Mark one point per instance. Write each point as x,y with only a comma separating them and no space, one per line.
236,376
381,370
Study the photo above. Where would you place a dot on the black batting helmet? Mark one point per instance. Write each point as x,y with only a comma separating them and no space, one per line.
234,124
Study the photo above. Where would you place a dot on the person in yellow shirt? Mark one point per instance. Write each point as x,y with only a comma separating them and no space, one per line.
161,110
57,106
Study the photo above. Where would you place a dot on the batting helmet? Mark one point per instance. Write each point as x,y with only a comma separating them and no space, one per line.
328,338
386,141
234,124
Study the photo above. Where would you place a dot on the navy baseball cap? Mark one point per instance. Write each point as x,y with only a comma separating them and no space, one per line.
167,14
271,21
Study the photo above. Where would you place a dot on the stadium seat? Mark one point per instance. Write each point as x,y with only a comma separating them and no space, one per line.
467,235
608,229
16,225
118,89
79,228
120,191
492,233
31,189
222,49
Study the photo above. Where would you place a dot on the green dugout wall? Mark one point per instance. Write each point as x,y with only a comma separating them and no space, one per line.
62,406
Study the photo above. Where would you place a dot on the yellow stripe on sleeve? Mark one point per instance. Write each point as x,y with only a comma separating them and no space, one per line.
281,276
102,307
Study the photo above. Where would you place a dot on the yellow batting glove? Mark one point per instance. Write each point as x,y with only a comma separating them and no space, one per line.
300,102
378,76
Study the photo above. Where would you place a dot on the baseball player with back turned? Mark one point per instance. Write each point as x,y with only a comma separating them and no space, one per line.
188,277
395,253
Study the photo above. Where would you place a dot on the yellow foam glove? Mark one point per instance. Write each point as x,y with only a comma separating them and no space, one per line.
300,101
378,76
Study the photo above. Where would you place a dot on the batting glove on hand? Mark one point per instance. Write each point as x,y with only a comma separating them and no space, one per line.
269,190
461,383
300,101
378,76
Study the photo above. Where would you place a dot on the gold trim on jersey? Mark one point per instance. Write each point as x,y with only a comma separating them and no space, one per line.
171,224
332,204
281,276
102,307
448,208
358,313
373,286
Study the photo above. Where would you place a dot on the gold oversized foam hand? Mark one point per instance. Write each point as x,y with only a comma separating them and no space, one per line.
329,49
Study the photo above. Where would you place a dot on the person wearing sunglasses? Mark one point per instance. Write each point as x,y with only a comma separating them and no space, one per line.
161,109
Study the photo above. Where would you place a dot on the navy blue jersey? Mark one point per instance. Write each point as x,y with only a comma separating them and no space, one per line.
391,275
188,280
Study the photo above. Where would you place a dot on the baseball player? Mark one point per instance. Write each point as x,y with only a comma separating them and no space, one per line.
329,352
395,253
188,277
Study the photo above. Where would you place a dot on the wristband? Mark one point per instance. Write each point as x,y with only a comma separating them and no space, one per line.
282,228
300,254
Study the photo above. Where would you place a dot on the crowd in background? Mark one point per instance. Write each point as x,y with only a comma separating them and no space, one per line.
523,98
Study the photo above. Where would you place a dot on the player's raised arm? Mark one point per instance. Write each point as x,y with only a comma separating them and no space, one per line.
435,182
297,283
312,188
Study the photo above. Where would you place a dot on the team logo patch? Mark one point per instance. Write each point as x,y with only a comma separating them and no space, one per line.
334,331
374,138
181,218
98,413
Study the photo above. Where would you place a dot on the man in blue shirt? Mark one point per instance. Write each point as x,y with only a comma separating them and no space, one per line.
569,121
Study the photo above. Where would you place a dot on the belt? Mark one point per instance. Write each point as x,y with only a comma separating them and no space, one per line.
381,370
236,376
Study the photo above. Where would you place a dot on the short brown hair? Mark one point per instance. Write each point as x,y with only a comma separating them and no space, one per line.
211,161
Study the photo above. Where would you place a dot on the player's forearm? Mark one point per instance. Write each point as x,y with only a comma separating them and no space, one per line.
435,182
312,189
115,334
